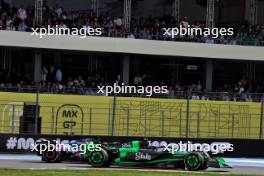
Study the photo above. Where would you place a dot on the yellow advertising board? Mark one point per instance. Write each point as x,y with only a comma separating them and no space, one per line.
94,115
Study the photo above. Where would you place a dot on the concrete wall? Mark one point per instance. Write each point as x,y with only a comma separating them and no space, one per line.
132,46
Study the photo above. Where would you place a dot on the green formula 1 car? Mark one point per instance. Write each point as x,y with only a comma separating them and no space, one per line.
140,154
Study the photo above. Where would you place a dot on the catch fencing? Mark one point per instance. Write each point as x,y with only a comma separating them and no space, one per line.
130,116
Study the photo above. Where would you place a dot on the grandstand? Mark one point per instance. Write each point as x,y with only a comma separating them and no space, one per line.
198,70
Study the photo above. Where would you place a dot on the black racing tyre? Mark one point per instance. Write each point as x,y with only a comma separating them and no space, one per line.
99,158
206,156
194,161
51,156
204,166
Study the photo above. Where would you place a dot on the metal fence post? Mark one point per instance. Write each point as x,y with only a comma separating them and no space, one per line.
233,124
145,119
187,114
198,124
82,124
128,119
37,112
13,119
113,116
162,123
180,130
90,122
52,120
56,123
261,119
109,119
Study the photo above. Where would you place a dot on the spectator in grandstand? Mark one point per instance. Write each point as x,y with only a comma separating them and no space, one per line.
226,88
137,80
195,97
241,88
147,35
27,79
178,87
70,83
108,22
9,24
199,87
118,80
131,36
59,11
58,75
171,92
87,25
44,74
22,26
208,40
225,96
51,75
236,88
118,22
22,13
147,78
184,22
2,85
62,25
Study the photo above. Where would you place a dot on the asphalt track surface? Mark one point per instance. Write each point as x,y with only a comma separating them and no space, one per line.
240,166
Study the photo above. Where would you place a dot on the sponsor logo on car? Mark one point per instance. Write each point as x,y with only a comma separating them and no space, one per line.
142,156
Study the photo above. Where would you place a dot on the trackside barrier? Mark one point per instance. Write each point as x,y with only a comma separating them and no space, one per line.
10,143
128,116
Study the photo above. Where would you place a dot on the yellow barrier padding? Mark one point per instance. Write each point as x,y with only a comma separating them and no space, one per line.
93,115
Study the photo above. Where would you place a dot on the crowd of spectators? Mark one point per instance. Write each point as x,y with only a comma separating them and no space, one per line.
23,18
240,90
54,81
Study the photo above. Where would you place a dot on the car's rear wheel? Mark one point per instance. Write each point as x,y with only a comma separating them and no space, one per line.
99,158
194,161
51,156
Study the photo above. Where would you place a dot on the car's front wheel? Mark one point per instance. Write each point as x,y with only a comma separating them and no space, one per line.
194,161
